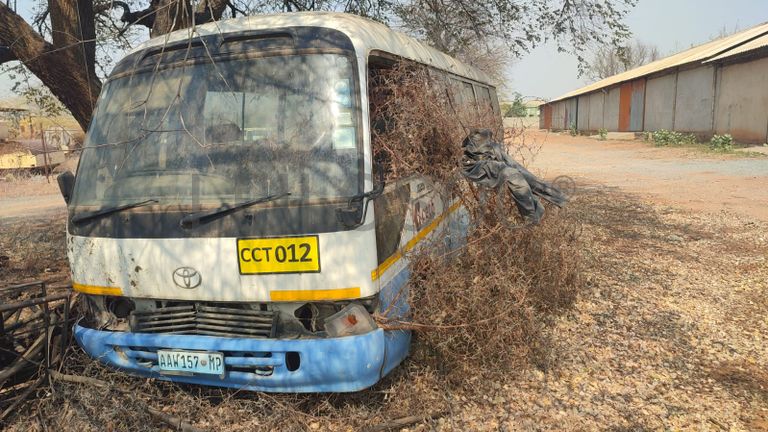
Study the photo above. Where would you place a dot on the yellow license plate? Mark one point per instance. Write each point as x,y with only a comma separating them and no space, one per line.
279,255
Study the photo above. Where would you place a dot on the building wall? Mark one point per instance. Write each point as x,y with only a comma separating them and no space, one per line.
660,102
742,101
582,122
611,111
695,100
571,110
596,105
558,115
724,98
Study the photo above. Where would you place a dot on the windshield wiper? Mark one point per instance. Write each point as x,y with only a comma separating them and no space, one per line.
200,218
86,216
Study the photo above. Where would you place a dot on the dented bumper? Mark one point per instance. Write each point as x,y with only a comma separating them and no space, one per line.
342,364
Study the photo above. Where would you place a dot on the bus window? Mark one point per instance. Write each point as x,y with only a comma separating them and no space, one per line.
390,209
463,96
249,128
392,206
484,99
468,94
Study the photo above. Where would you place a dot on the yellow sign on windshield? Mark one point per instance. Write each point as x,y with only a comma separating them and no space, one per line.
279,255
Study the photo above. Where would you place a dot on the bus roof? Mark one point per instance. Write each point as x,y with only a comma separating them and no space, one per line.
366,35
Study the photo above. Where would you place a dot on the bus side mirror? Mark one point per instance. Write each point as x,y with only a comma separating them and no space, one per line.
354,214
66,182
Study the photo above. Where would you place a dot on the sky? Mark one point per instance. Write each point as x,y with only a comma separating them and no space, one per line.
671,25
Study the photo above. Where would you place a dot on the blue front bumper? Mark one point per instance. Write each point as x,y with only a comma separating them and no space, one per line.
325,365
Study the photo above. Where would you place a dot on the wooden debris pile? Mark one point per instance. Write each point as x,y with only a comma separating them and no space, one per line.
35,324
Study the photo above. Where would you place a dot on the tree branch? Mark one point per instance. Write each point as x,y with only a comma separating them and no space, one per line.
60,68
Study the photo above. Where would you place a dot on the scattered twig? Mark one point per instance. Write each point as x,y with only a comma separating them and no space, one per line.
173,421
22,397
170,420
405,421
718,424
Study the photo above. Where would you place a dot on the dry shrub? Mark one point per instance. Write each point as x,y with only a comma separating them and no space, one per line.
420,119
482,309
485,310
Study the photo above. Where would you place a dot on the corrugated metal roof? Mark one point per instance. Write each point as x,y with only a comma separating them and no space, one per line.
695,54
758,43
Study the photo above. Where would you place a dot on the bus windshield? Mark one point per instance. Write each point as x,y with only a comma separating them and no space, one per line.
223,132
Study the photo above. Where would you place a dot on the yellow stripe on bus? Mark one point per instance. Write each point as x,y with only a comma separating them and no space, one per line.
315,295
378,271
96,290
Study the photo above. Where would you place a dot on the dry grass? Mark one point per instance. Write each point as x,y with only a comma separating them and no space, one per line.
33,249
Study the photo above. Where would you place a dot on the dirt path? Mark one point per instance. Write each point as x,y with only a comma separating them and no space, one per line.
674,176
30,206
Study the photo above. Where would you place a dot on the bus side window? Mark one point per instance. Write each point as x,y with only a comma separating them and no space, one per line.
484,99
468,94
391,207
463,99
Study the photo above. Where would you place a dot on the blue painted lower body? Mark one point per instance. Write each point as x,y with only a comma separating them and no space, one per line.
342,364
324,365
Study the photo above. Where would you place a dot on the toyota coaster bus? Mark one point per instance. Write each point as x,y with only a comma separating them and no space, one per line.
219,226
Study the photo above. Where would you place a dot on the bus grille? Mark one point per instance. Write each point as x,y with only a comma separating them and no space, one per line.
199,319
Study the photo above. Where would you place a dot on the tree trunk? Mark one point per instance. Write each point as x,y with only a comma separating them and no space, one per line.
68,65
72,25
170,15
69,72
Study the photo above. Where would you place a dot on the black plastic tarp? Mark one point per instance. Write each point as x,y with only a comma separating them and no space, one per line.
488,164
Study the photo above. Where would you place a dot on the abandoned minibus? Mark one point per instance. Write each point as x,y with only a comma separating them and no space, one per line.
219,226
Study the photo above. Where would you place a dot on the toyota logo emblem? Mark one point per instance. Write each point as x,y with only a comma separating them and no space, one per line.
187,277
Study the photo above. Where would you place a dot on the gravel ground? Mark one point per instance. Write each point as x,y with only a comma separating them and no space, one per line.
670,334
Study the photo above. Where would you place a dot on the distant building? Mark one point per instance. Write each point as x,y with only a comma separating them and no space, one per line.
532,107
716,88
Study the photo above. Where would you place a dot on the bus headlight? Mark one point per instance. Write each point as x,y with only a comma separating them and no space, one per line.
108,312
351,320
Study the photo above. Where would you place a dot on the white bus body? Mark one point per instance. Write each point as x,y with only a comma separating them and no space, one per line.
196,264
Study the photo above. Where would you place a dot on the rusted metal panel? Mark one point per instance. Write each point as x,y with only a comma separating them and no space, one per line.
547,116
637,106
625,105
